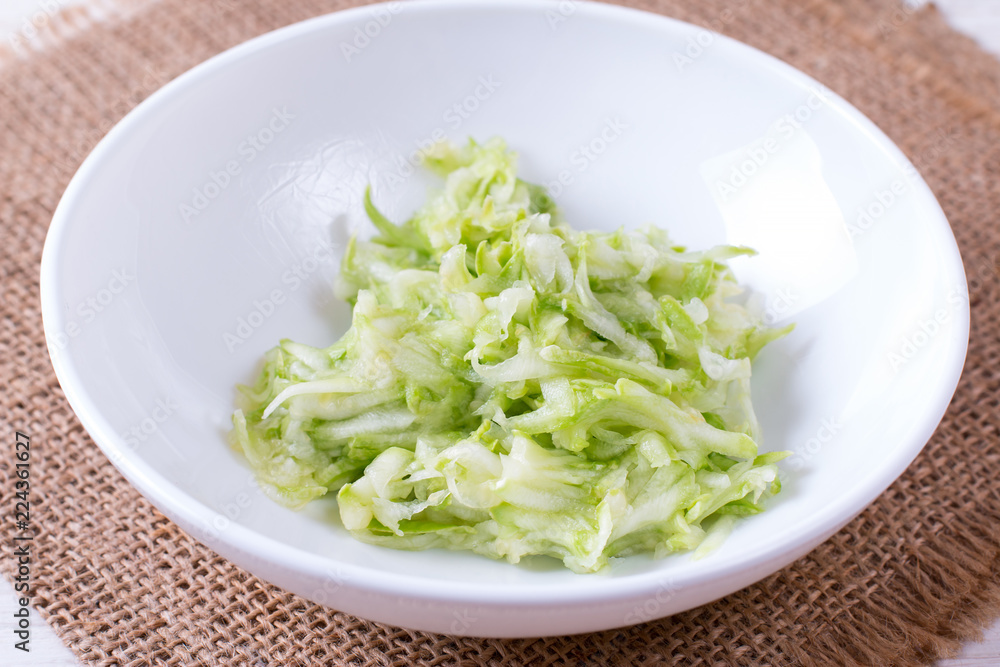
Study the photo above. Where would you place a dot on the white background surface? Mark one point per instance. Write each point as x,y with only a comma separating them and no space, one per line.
979,18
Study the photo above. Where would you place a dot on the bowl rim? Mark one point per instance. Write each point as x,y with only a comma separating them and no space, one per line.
175,502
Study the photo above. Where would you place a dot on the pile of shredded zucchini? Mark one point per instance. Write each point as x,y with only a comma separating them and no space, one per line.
514,387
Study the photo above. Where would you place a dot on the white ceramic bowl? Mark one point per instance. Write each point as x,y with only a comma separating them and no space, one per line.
207,226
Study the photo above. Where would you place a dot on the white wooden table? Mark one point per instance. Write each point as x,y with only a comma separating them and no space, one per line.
978,18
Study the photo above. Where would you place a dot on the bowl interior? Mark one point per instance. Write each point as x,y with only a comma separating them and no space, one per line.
208,226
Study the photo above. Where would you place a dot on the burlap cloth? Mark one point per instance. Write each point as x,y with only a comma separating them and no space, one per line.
909,580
